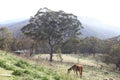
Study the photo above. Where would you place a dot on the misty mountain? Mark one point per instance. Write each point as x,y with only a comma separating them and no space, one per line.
114,39
15,26
92,27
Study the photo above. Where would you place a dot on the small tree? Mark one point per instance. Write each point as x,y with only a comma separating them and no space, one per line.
114,54
71,45
52,26
6,38
89,45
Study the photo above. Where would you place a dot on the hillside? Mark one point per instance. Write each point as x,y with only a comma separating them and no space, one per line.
15,26
37,68
17,68
116,38
91,26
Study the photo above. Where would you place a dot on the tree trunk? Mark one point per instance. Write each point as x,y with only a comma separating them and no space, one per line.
51,51
51,54
31,52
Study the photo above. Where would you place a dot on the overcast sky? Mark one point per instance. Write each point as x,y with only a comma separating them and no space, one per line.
107,11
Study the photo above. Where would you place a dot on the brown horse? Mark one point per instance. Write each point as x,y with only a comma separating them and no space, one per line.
76,68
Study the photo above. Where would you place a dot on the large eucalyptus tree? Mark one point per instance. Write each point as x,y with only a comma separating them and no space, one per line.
52,26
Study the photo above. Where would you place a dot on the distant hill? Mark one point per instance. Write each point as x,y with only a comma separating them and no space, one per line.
15,27
114,40
98,32
91,26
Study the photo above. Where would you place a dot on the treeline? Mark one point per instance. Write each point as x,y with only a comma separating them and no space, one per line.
76,45
52,31
11,42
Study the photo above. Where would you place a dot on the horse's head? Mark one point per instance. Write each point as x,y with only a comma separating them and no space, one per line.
69,70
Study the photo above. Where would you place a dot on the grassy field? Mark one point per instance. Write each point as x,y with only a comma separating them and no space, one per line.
39,68
5,74
94,69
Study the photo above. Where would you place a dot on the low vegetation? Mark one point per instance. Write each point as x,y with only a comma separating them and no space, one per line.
22,69
17,68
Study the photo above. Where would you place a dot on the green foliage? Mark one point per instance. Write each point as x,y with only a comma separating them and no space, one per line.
56,77
36,74
48,24
27,78
36,71
18,72
27,72
14,78
114,54
107,44
22,64
89,45
4,64
52,26
38,68
6,37
71,45
23,70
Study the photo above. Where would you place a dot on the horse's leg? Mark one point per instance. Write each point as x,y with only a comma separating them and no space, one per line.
76,73
81,74
81,70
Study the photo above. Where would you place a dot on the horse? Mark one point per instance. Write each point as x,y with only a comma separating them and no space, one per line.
76,68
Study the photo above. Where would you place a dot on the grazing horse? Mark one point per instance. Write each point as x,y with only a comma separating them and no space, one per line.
76,68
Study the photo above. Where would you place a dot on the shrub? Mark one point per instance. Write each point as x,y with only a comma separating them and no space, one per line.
22,64
56,77
9,67
28,78
14,78
18,72
2,63
6,66
36,75
28,72
45,78
40,68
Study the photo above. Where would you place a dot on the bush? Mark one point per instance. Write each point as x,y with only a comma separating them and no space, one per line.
36,75
9,67
28,78
18,72
56,77
4,65
45,78
28,72
40,68
22,64
14,78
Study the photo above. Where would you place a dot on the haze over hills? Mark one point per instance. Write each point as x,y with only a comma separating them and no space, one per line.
92,27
